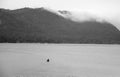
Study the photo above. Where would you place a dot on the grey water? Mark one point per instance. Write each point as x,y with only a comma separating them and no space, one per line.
65,60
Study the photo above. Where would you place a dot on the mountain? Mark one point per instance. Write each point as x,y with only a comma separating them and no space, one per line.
46,26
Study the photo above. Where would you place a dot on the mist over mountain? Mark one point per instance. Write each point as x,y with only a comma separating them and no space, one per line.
80,16
49,26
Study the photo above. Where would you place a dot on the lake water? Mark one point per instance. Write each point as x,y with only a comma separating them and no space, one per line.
66,60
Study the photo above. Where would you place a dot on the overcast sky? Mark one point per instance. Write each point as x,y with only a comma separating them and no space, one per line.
109,9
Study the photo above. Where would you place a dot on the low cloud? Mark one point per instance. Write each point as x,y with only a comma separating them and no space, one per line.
87,16
80,16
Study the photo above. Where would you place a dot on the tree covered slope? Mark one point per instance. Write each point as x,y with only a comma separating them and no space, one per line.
43,26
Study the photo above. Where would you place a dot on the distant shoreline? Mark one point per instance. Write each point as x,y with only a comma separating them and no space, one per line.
62,43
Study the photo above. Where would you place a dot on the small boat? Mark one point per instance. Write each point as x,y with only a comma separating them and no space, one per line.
48,60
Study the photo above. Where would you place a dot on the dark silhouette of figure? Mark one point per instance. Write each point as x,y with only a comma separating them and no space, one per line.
48,60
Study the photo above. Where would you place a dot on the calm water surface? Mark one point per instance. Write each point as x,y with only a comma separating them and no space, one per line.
66,60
